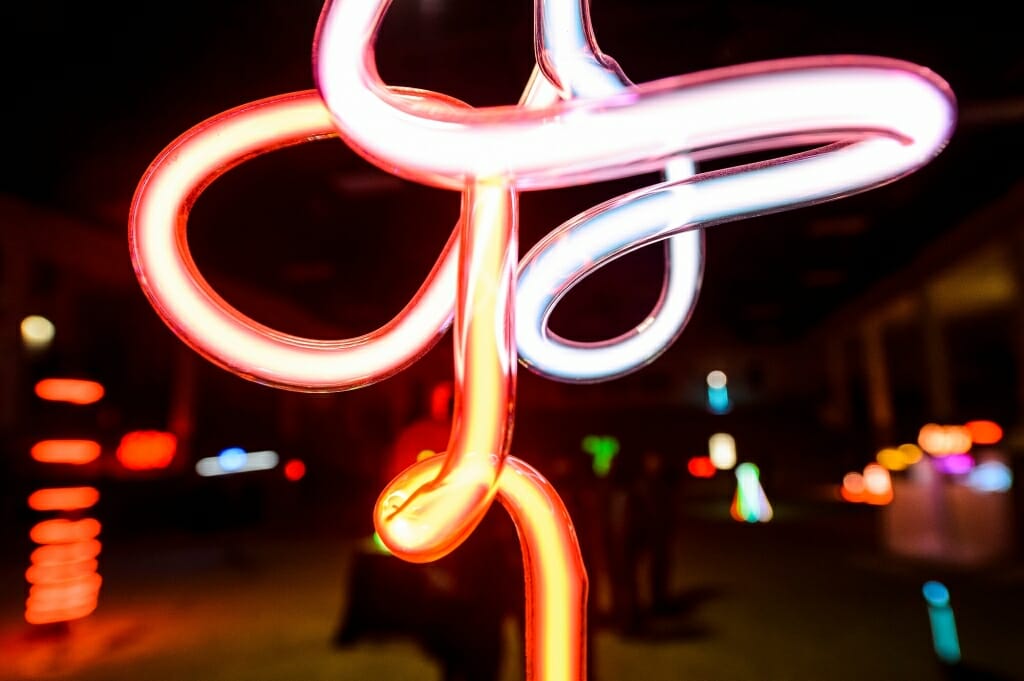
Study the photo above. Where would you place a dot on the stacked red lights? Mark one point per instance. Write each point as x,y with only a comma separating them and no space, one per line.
63,580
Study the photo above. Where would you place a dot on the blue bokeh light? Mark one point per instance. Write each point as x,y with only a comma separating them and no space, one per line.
232,459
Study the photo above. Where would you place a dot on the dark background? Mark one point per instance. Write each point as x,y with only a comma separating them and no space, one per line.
313,240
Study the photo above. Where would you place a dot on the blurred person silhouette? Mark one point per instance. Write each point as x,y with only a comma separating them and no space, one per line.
639,531
455,608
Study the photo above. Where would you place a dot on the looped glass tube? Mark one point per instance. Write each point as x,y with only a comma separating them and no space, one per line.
889,116
556,579
568,56
422,522
874,119
186,302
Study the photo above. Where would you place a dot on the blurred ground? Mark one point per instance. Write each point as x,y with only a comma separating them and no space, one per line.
809,596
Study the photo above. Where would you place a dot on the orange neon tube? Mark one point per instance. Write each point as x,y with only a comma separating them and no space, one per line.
556,579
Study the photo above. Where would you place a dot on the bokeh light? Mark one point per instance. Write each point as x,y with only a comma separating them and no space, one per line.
955,464
63,498
603,448
147,450
37,332
984,432
853,487
236,460
717,379
877,484
701,467
990,476
294,470
75,452
940,440
750,503
232,459
943,624
722,451
72,390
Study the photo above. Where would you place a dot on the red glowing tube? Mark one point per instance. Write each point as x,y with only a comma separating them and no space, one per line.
425,522
63,498
556,579
225,336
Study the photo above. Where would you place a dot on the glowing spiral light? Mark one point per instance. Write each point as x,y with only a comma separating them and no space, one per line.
579,120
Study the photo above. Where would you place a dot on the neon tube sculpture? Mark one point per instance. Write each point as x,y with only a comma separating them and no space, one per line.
579,120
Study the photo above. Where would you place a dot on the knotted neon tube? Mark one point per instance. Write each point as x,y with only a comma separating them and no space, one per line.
580,120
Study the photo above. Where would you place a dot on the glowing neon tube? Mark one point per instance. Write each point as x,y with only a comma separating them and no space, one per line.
222,334
423,523
556,580
580,120
893,117
571,62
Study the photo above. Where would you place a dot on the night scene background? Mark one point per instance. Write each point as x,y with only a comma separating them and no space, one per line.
843,329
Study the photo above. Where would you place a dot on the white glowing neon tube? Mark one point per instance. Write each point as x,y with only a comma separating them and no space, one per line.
723,112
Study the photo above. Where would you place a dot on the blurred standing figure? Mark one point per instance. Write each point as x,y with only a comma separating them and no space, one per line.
641,524
425,436
451,606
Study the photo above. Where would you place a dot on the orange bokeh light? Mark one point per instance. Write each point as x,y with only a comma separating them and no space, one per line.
63,498
73,390
944,440
36,613
53,554
984,432
61,531
294,470
66,451
147,450
44,573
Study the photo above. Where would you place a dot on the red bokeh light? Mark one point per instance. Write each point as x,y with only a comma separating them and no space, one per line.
147,450
701,467
984,432
294,470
